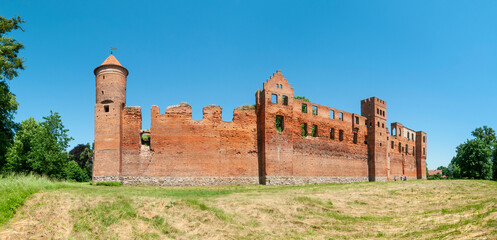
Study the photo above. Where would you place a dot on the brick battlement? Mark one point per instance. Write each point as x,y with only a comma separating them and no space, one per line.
279,140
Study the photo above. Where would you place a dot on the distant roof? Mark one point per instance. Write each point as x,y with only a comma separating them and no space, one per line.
111,61
434,172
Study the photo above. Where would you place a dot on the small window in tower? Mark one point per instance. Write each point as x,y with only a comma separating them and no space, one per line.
400,147
279,123
377,111
392,145
380,144
281,86
102,92
332,133
340,135
314,131
412,136
284,99
357,120
424,138
332,114
378,124
394,131
413,150
354,138
383,125
314,110
103,76
274,98
106,108
424,151
407,149
340,116
366,139
277,86
304,129
408,136
304,108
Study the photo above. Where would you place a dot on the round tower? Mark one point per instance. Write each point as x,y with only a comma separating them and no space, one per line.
111,82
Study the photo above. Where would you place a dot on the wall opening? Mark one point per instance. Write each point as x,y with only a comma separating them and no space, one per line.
304,108
284,99
145,139
106,108
314,110
400,147
382,125
394,131
314,131
304,129
354,138
424,151
274,98
340,116
357,120
424,138
332,114
392,145
340,135
280,124
408,136
407,149
332,133
413,151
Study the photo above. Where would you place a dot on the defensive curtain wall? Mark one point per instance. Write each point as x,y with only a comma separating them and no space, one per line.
280,140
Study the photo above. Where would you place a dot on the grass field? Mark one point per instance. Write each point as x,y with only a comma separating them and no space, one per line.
457,209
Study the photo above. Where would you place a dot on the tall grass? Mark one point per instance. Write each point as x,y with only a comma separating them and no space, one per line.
15,189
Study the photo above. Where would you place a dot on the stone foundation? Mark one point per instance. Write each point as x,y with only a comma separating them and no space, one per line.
179,181
280,180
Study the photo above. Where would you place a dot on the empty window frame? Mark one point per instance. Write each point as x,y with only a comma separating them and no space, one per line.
378,124
304,129
377,111
340,116
304,108
274,98
354,139
106,108
394,131
340,135
332,114
314,110
392,145
407,149
413,151
400,147
277,86
284,100
412,136
424,138
356,120
145,139
314,131
408,136
280,123
332,133
382,125
424,151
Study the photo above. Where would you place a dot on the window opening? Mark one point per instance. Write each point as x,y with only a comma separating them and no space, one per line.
304,108
277,86
103,76
279,123
284,99
332,114
281,86
314,110
413,151
400,147
106,108
340,135
383,125
354,138
377,111
394,131
424,138
304,129
424,151
314,131
332,133
274,98
378,124
407,149
340,116
392,145
357,120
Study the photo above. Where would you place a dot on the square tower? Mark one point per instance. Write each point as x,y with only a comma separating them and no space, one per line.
375,110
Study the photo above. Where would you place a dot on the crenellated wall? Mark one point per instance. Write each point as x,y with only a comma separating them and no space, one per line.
279,140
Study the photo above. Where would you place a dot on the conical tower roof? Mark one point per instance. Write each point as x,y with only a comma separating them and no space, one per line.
111,61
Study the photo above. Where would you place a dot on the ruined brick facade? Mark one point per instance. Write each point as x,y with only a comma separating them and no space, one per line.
282,140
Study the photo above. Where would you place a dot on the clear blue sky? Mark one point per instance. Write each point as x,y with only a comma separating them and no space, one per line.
434,62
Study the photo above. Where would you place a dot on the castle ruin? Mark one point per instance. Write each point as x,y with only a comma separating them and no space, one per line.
282,140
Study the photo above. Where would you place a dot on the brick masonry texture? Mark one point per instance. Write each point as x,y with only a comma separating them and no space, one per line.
279,140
